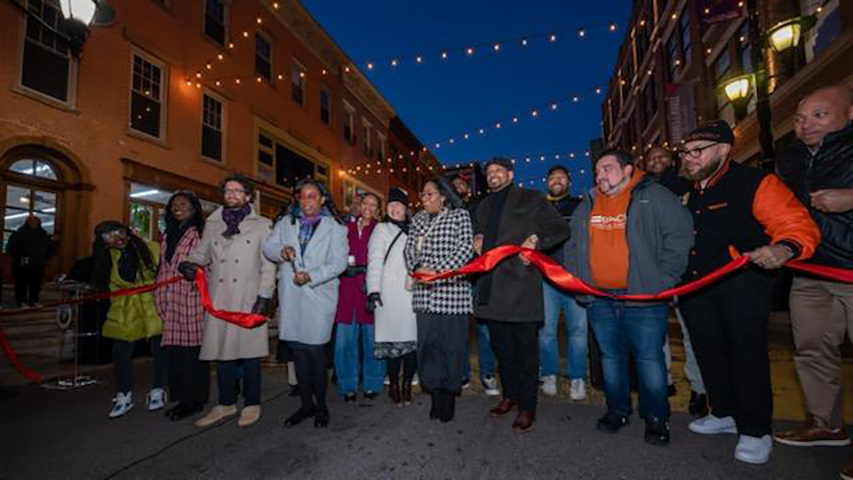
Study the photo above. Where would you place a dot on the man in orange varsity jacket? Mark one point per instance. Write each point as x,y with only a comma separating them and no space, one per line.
755,213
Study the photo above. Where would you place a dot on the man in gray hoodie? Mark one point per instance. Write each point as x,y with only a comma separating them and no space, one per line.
630,235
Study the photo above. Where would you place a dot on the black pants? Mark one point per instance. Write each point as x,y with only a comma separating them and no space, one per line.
409,363
123,369
189,377
442,346
727,323
226,379
516,346
312,374
28,279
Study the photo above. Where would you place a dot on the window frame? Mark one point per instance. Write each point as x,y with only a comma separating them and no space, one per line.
222,130
226,10
297,69
70,103
324,90
271,60
349,123
164,95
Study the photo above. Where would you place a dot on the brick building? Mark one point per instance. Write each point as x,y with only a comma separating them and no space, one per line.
673,60
175,95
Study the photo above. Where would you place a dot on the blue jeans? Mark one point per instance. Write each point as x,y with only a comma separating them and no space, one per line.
348,362
638,331
486,355
576,330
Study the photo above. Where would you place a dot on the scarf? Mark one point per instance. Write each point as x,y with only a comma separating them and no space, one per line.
402,224
232,218
307,225
174,235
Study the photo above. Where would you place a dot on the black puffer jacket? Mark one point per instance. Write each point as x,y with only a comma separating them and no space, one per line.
830,167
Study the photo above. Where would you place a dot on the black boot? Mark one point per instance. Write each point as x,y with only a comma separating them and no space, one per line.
434,406
449,408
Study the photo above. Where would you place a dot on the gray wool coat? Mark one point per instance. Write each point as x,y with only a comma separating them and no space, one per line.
306,314
238,273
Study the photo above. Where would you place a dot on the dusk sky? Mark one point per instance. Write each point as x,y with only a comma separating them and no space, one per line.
439,99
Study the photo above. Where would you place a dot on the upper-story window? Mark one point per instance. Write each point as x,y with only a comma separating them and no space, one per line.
686,40
147,98
744,48
263,56
368,137
297,83
349,123
215,15
325,106
46,64
212,127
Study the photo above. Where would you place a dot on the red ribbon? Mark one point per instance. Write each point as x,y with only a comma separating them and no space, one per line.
557,275
245,320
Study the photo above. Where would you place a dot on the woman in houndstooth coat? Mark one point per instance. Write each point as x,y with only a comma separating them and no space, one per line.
441,238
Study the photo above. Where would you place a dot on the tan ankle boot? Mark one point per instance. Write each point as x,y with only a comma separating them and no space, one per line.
249,415
217,413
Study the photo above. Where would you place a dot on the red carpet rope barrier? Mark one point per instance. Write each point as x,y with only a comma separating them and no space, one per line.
241,319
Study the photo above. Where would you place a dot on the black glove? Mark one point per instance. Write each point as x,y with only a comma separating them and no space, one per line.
262,306
372,301
188,269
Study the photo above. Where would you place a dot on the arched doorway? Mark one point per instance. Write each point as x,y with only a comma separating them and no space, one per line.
40,181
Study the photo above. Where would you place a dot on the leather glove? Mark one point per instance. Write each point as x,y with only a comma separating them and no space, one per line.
262,306
188,269
372,301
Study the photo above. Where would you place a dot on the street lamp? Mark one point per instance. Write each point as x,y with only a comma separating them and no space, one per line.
783,36
79,16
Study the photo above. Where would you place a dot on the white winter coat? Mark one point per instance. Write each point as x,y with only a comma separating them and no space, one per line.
395,319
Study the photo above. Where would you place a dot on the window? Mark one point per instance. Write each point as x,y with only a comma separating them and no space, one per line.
211,128
673,54
720,70
46,62
349,123
266,157
368,145
23,200
146,100
381,140
278,164
325,106
36,168
214,20
744,49
263,56
686,41
297,83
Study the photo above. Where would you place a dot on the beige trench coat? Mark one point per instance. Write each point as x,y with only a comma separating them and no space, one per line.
237,274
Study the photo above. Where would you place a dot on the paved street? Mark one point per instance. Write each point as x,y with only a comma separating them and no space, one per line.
66,435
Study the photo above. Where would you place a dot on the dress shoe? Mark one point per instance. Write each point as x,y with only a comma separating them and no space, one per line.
698,406
502,408
448,406
298,417
185,410
523,422
434,407
170,412
321,419
611,423
351,397
294,391
657,432
249,415
217,413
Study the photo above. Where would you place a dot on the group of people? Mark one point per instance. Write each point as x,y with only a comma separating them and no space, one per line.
363,288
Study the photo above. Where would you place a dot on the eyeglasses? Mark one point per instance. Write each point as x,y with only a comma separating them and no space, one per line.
694,153
107,236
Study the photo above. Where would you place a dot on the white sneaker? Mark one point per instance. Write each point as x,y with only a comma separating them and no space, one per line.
122,403
711,425
577,391
754,450
415,379
490,386
549,385
156,399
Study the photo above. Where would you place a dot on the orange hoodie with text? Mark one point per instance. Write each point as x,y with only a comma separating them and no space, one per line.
608,245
